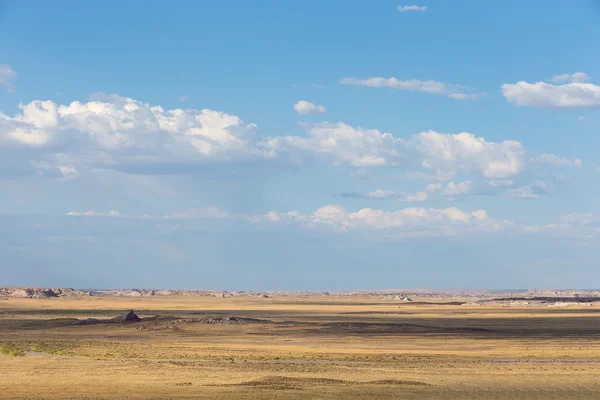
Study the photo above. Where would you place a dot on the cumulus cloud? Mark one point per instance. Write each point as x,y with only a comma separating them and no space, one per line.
578,218
415,197
433,87
305,107
428,222
449,190
463,189
412,222
125,125
576,225
111,213
428,151
115,132
556,161
380,194
68,171
457,190
7,74
577,77
574,94
412,8
122,134
531,191
408,222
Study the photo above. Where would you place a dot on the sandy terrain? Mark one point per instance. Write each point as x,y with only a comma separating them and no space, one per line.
297,348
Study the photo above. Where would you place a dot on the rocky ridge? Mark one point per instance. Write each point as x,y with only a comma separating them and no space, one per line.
41,293
514,298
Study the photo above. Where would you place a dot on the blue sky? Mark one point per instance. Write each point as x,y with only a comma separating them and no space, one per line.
300,145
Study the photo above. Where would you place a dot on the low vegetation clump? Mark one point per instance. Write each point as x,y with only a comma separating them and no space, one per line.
55,349
11,349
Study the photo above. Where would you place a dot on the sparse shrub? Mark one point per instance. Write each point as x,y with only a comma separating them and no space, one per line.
40,347
11,349
55,349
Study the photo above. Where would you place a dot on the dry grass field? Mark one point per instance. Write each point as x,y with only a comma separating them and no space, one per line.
297,348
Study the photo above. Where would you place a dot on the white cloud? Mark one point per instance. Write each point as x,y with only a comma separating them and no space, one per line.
408,222
575,94
454,190
412,222
428,151
531,191
577,77
556,161
578,218
412,8
500,182
450,190
122,134
433,87
111,213
402,196
415,197
7,74
577,225
561,78
463,189
380,194
184,98
464,96
305,107
428,222
68,171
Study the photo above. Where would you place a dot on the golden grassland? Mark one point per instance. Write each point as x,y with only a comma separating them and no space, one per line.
307,348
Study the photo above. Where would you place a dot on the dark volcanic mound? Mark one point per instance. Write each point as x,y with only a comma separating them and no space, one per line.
129,317
121,319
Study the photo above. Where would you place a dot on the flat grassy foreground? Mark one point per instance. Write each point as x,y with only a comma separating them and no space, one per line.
301,348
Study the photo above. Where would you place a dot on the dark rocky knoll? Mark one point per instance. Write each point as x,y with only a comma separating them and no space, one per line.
128,317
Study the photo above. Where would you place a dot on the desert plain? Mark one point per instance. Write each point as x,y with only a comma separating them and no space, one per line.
297,347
